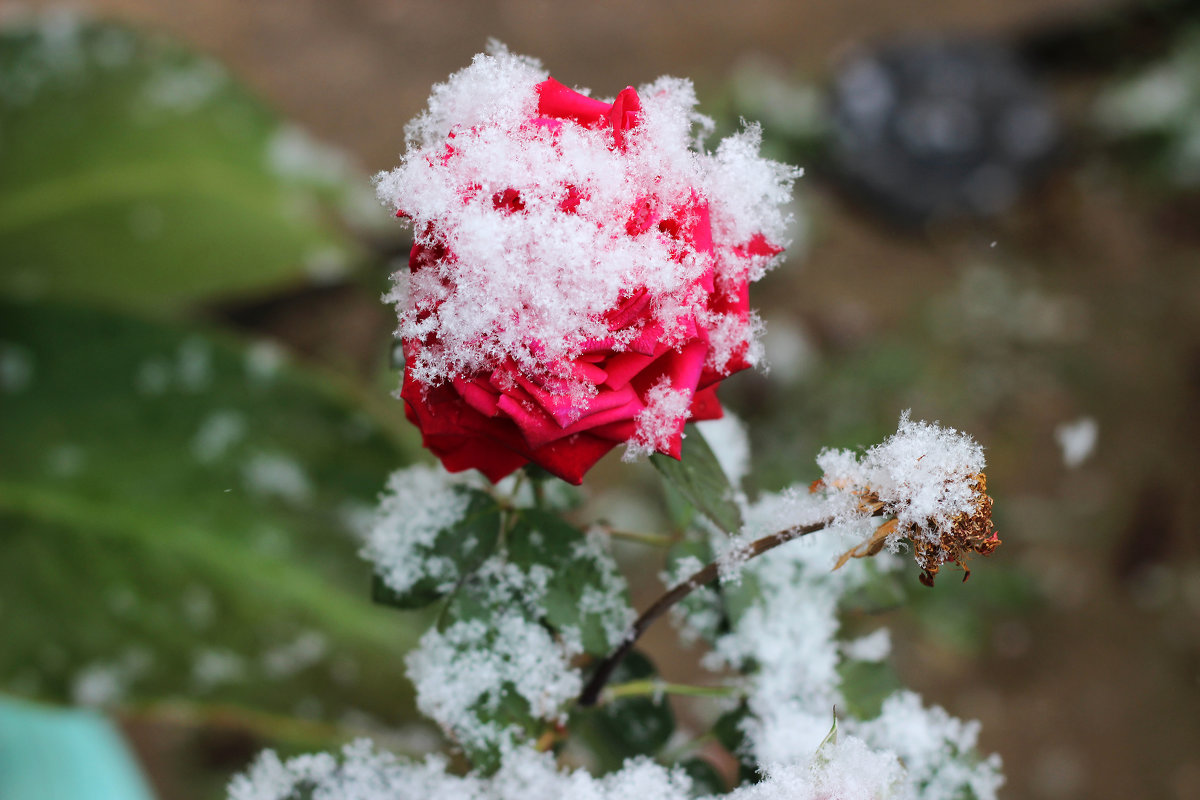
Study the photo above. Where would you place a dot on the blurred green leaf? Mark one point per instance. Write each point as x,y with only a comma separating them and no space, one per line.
699,478
728,730
626,726
882,591
137,173
175,521
865,685
466,544
584,590
706,780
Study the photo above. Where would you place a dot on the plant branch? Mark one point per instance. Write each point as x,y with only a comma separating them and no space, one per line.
651,539
591,692
651,687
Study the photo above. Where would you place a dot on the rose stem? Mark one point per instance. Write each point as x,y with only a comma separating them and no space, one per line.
645,688
591,692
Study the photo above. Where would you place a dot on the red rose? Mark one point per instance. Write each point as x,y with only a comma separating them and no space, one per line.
565,293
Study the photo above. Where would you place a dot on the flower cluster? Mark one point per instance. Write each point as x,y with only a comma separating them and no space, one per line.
580,272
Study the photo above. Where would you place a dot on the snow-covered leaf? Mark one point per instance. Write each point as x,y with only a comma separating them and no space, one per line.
585,593
463,545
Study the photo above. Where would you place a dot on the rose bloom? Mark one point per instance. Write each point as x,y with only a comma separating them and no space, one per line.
580,274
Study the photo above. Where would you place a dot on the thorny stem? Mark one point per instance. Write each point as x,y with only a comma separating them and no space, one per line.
591,692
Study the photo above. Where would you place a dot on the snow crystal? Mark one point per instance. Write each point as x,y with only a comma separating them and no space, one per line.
293,153
185,88
606,601
473,664
534,286
1077,440
364,774
658,423
875,646
104,683
16,368
418,504
263,360
214,668
194,364
153,377
847,770
925,475
700,615
199,606
935,748
788,633
299,654
278,475
219,432
65,460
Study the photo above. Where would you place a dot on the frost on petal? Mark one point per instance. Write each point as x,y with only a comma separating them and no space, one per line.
660,423
572,258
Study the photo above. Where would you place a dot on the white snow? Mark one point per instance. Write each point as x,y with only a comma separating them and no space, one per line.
1077,440
531,281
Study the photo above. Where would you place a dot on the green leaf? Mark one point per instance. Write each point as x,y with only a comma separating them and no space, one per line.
176,509
627,726
865,685
728,730
741,595
137,173
883,591
486,597
706,780
465,544
699,478
585,591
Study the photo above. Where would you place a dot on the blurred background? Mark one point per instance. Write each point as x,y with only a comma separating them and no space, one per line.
999,228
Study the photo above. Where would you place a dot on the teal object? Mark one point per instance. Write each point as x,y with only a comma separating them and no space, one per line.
64,754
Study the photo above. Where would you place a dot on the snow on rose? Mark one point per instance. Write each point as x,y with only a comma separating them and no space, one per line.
580,272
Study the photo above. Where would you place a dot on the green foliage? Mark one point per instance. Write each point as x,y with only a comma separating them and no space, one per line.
162,517
583,591
865,685
728,730
706,781
137,173
467,544
699,478
626,726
